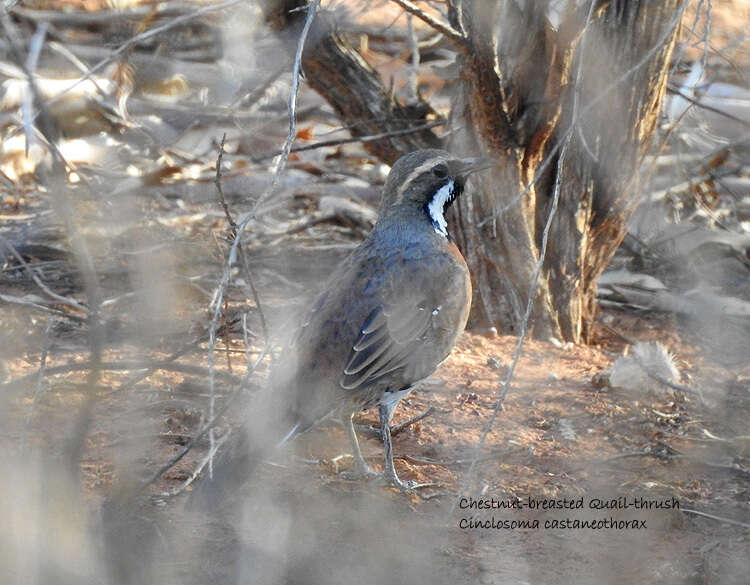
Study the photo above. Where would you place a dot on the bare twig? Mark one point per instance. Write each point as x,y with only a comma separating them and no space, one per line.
48,131
524,323
706,34
147,372
704,106
5,179
493,455
670,384
668,453
196,472
646,453
258,91
243,257
443,27
717,518
222,199
415,419
734,469
256,297
352,139
374,431
39,384
32,60
100,17
245,340
206,428
37,307
133,41
38,281
217,182
646,176
197,437
278,168
413,83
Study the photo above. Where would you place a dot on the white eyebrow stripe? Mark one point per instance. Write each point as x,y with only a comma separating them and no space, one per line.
416,172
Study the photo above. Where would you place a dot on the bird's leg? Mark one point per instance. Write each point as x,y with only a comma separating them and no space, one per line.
389,471
361,469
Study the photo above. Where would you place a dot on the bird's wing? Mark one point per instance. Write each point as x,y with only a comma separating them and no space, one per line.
307,318
392,337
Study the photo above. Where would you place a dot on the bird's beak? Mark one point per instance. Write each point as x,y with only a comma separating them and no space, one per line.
473,165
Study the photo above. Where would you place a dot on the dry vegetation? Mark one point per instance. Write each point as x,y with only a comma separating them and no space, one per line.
108,293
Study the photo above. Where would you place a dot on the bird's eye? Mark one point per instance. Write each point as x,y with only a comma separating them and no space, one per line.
440,171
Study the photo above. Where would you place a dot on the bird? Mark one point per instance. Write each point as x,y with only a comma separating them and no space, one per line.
387,317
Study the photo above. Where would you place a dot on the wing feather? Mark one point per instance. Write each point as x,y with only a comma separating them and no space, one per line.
390,339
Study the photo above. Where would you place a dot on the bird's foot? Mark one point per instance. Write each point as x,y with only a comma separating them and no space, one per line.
409,486
368,430
359,471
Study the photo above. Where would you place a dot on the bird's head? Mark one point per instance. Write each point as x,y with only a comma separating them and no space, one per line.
428,182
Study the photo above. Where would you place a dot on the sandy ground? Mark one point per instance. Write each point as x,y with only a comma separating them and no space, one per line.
558,436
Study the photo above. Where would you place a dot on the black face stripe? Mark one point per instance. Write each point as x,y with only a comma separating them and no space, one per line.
457,189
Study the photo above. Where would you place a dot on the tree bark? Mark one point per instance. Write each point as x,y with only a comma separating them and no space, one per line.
610,66
594,81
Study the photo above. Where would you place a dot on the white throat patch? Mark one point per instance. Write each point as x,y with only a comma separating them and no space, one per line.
436,206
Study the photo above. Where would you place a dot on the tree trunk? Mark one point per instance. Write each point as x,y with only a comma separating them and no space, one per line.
609,67
593,82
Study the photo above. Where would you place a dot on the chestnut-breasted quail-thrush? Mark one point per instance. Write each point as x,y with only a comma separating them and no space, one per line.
389,315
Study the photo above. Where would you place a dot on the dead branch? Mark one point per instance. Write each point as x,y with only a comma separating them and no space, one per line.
442,27
38,281
36,306
505,387
339,73
717,518
124,365
279,166
139,38
243,257
353,139
704,106
100,17
196,472
39,385
205,429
